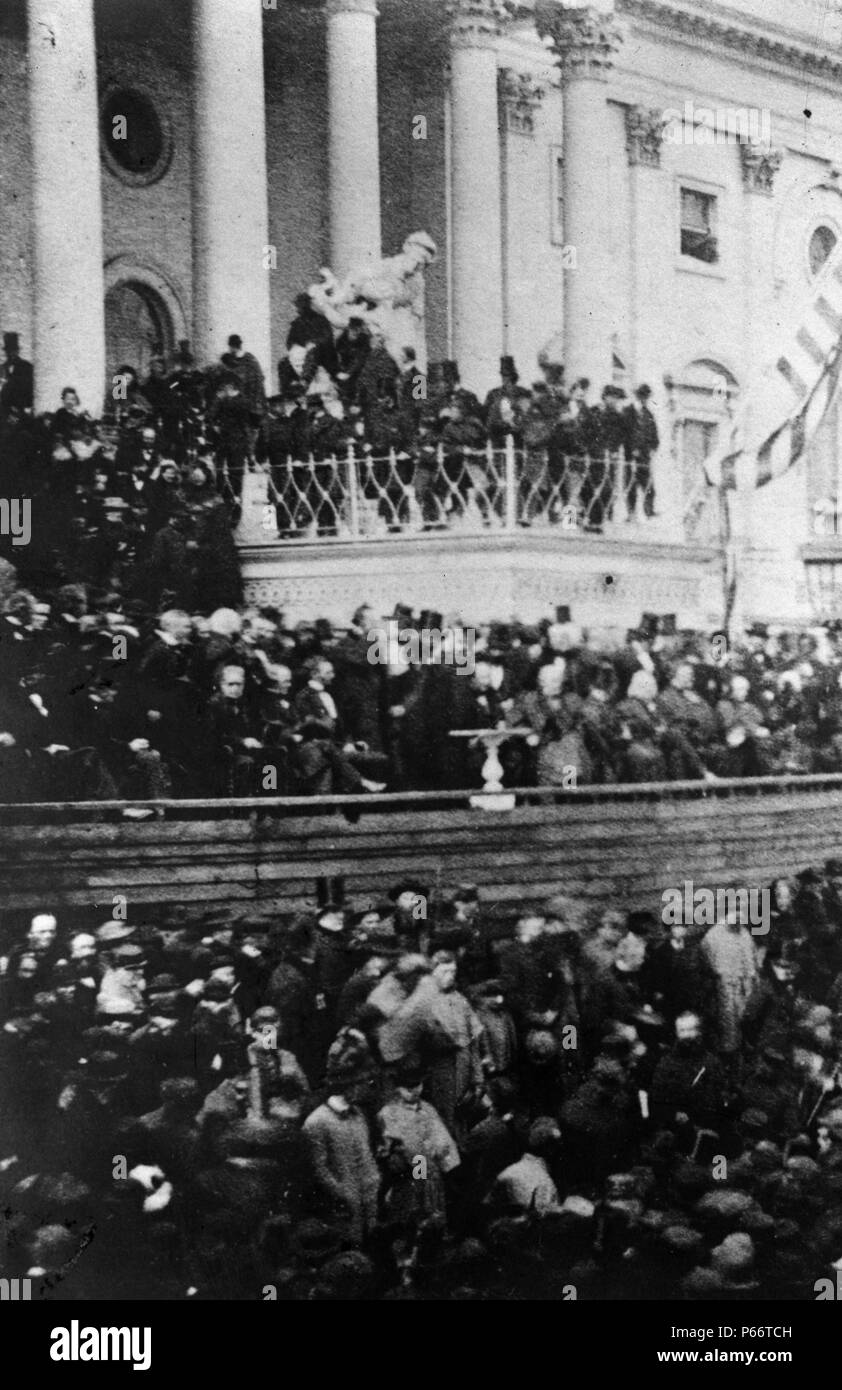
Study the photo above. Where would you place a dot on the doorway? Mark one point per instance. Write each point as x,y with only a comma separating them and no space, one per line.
138,325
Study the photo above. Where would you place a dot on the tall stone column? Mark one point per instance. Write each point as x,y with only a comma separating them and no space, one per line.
230,198
769,524
651,226
585,40
353,136
477,239
69,290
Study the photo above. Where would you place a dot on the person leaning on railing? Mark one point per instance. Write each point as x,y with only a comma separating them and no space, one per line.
282,438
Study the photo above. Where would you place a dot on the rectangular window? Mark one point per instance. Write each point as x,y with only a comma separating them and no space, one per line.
556,196
698,440
698,226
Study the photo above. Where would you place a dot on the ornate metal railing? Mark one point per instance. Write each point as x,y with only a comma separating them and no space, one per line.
363,496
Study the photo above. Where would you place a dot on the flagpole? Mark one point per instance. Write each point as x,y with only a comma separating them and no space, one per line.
728,569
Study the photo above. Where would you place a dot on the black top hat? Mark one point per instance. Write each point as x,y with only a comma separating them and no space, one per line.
11,342
235,341
450,371
429,619
508,368
668,625
562,613
330,892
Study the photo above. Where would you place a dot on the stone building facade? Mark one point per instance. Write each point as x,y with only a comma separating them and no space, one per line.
562,158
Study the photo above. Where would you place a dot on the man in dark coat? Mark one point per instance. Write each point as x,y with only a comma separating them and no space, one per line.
310,329
689,1083
249,374
678,977
232,743
16,377
360,683
640,444
282,440
352,348
609,432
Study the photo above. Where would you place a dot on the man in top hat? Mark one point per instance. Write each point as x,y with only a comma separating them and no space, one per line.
608,430
16,378
505,405
352,349
411,1129
345,1174
438,1025
641,443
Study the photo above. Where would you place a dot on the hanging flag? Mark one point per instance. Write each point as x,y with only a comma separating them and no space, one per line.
789,400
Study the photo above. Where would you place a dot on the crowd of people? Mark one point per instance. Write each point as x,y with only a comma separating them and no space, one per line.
105,698
185,435
415,1099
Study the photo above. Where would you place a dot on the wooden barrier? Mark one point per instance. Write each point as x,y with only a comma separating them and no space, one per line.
622,845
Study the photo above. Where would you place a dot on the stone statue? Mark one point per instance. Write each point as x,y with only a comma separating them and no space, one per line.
388,295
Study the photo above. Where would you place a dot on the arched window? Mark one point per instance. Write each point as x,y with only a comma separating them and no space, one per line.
702,399
137,323
822,243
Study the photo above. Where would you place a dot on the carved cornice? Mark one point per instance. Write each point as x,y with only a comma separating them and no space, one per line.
760,165
477,22
584,39
644,135
520,94
710,29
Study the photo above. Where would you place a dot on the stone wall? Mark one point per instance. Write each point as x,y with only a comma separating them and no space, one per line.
622,846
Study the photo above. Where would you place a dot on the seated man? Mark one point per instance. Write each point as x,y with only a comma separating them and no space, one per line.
325,763
232,744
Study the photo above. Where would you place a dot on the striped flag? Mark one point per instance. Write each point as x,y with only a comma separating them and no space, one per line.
784,409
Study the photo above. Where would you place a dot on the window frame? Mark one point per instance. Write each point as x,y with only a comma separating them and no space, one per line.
685,183
162,165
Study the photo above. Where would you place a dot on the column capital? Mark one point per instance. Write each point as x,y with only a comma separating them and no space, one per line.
520,95
760,164
336,7
584,37
477,23
645,126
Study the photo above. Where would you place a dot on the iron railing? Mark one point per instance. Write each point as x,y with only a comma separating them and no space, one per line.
363,496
